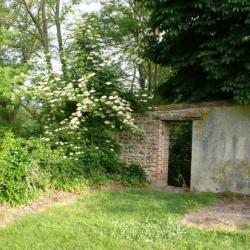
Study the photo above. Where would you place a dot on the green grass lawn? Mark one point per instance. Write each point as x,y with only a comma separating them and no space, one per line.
120,220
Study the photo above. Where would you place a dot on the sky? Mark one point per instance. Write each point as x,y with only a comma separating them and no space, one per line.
88,6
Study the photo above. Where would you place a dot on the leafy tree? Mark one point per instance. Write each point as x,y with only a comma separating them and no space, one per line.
123,26
89,109
37,18
207,44
12,66
25,38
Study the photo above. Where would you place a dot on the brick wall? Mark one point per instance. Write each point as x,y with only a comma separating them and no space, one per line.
151,148
220,147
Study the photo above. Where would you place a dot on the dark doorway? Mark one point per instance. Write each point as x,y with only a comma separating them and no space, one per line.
180,153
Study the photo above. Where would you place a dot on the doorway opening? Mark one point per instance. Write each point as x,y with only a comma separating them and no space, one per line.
180,154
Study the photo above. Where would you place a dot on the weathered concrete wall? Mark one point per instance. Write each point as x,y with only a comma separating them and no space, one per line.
221,150
149,149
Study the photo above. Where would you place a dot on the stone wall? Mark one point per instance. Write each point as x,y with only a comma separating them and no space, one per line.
150,148
220,145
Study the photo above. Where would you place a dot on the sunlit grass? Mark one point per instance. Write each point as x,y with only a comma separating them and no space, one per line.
120,220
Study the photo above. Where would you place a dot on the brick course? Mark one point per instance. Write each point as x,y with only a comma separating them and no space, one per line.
149,149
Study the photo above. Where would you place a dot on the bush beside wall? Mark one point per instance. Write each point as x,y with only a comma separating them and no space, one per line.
29,167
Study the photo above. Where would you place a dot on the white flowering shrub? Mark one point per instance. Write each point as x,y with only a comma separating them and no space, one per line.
83,111
140,100
88,106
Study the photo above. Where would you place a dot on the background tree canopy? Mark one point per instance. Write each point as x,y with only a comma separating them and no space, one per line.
207,43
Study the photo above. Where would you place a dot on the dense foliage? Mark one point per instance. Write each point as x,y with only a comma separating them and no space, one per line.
123,24
29,167
20,178
207,44
64,119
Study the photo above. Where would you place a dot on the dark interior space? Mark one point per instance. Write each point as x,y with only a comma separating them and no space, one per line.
180,152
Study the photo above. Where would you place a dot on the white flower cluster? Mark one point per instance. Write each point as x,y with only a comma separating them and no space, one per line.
66,126
114,112
119,108
143,97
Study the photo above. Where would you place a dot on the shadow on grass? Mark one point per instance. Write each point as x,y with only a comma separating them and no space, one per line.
120,202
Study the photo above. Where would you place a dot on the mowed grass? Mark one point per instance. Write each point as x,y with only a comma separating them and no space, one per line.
120,220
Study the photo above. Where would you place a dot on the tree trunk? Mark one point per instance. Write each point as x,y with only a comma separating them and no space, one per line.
59,38
141,76
155,75
13,115
42,29
45,37
150,75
